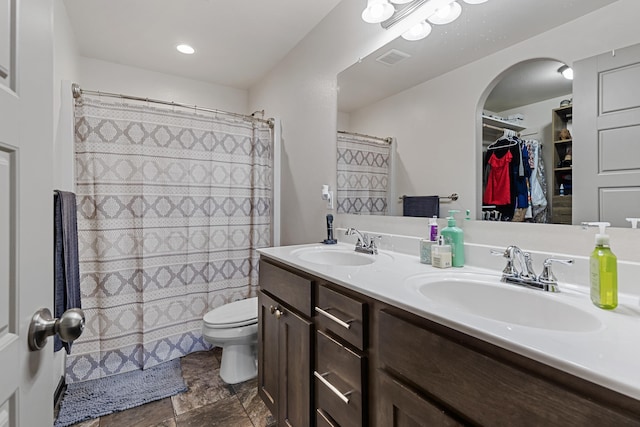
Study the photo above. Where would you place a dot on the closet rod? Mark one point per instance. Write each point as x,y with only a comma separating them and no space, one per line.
387,140
77,92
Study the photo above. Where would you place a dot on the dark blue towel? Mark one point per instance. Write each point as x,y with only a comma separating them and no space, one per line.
66,269
421,206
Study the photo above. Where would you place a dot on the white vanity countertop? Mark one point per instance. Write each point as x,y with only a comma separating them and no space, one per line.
608,355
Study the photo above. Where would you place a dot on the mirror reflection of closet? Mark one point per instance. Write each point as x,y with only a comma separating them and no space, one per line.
518,114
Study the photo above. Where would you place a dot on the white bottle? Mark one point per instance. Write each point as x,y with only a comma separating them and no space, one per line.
441,254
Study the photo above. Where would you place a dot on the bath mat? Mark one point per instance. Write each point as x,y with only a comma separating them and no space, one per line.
102,396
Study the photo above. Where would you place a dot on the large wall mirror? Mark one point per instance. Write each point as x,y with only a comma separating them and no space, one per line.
390,95
526,131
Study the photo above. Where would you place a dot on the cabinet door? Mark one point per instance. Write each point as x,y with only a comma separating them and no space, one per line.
268,352
294,345
399,406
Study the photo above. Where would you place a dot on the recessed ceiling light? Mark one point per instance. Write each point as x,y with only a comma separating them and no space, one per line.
185,48
566,71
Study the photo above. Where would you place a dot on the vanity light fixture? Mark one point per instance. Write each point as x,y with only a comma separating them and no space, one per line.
446,14
566,71
417,32
377,11
414,14
186,49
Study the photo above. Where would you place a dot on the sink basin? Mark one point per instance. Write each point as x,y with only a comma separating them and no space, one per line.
335,256
486,297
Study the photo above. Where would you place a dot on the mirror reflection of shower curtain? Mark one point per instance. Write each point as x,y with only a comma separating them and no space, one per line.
363,175
172,206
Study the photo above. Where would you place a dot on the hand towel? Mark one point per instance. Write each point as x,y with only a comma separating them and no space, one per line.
65,266
421,206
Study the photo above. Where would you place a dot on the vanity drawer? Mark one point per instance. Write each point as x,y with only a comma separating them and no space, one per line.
324,420
338,380
480,388
343,315
289,287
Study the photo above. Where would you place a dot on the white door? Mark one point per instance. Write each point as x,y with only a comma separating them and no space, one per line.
606,137
26,223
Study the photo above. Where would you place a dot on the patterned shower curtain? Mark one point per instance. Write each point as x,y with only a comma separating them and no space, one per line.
172,206
363,166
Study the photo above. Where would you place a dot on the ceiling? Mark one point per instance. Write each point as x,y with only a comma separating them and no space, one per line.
237,42
480,31
526,83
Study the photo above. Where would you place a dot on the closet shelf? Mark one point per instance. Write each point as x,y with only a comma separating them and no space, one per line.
568,168
502,123
563,141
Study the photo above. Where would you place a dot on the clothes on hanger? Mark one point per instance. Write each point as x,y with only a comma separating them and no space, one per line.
513,181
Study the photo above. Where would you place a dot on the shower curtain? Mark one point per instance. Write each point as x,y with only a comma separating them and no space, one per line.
172,206
363,170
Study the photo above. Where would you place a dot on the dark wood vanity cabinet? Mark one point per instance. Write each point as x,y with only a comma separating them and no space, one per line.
329,356
459,380
285,343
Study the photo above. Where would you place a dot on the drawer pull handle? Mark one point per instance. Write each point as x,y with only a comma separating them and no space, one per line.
342,323
342,396
325,417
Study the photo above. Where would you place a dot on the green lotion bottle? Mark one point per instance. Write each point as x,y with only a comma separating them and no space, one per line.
603,271
454,236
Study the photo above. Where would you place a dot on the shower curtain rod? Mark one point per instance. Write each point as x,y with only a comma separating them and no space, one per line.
387,140
77,92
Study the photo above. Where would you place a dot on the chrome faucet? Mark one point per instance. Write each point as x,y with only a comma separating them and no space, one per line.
524,275
365,244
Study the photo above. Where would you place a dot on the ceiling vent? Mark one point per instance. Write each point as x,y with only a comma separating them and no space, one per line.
392,57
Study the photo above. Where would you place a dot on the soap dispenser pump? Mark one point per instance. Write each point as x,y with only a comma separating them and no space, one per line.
454,236
633,221
603,270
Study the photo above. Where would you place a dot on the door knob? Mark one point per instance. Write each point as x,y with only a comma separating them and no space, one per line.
68,327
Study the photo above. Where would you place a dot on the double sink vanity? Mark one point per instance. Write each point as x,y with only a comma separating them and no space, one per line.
351,339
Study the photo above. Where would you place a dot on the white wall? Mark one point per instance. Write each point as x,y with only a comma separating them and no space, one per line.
116,78
302,91
65,67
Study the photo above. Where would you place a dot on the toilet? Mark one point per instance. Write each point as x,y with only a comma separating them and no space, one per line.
234,327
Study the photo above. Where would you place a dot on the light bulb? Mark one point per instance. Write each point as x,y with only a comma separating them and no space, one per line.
566,71
417,32
377,11
446,14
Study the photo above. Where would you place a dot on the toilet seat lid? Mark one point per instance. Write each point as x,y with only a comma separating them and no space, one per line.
238,313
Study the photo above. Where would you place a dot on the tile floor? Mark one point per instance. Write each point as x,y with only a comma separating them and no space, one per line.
207,402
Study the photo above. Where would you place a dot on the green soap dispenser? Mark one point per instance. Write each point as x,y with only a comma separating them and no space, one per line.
454,236
603,271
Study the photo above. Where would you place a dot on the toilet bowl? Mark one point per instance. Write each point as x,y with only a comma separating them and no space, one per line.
234,327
